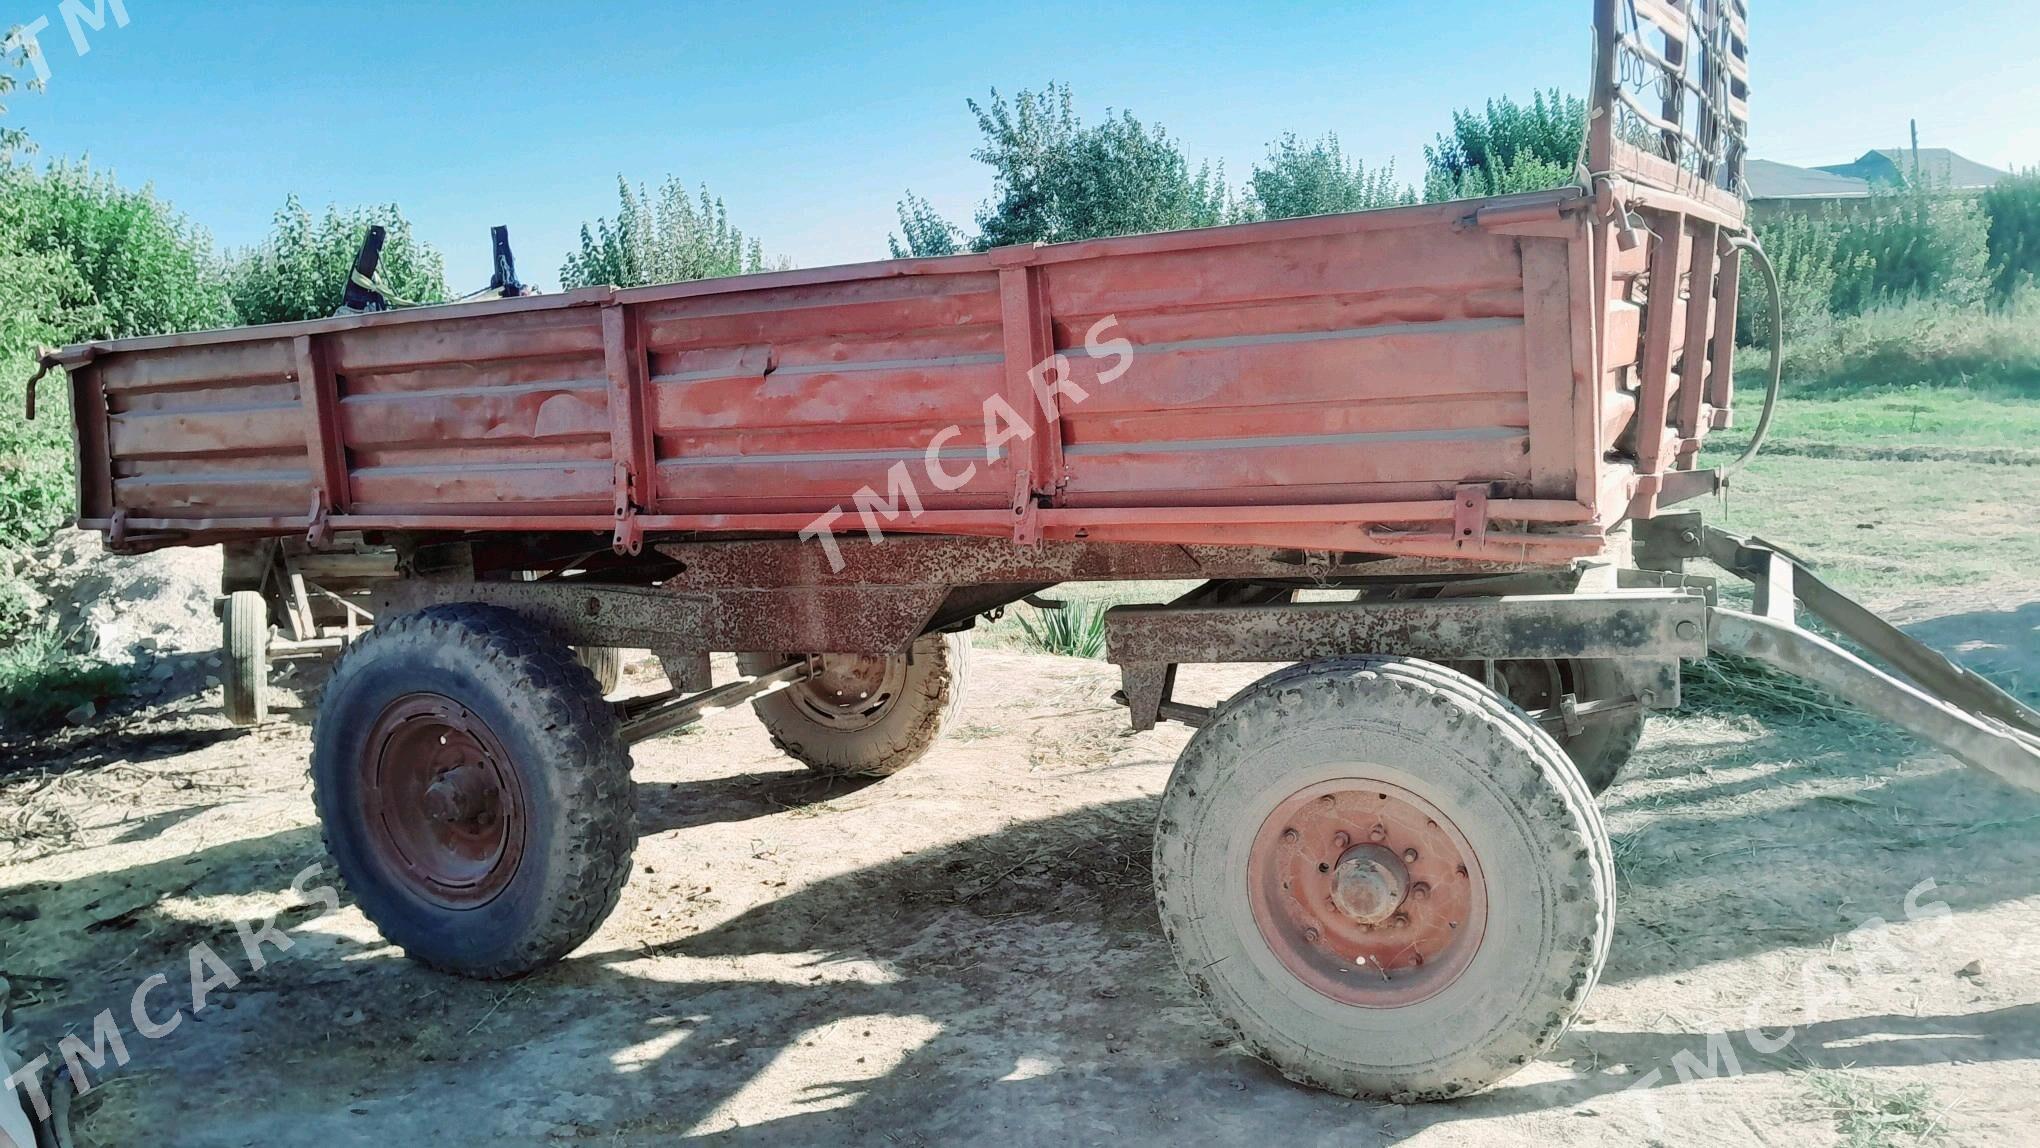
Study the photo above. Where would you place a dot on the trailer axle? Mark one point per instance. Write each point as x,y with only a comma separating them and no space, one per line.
665,716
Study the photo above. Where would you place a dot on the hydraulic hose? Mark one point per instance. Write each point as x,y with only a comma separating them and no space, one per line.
1777,314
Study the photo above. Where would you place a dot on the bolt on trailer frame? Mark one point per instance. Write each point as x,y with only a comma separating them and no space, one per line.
1465,424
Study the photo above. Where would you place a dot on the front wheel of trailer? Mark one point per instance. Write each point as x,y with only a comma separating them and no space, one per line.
1383,878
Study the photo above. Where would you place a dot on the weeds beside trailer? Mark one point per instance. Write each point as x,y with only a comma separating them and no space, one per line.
1382,866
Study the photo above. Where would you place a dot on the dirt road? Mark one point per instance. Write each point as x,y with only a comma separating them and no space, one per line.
970,949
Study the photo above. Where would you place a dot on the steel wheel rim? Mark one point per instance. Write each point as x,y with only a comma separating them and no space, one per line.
1366,892
444,808
852,691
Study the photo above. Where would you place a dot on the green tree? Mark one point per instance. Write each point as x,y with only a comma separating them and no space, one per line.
13,55
148,269
1507,148
81,258
2012,208
1316,178
301,270
43,302
1803,249
923,231
670,238
1917,242
1058,180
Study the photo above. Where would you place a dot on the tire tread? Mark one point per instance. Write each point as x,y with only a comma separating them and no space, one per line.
594,765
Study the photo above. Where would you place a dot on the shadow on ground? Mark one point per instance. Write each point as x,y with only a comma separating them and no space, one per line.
1038,1002
977,941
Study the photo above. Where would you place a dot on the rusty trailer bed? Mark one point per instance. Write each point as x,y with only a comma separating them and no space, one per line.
1481,379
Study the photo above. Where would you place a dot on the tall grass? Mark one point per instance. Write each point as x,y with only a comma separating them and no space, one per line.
1921,342
1912,244
2013,208
1895,247
1076,630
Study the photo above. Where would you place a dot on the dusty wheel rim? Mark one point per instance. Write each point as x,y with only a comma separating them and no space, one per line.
445,811
1367,893
852,691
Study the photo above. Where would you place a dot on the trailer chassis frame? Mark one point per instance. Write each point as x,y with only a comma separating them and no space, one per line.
1678,617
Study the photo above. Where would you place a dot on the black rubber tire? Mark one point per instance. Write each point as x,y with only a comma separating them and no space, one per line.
1606,744
563,743
1549,871
244,644
912,722
605,662
1607,741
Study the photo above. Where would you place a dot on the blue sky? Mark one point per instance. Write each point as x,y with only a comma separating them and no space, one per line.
810,119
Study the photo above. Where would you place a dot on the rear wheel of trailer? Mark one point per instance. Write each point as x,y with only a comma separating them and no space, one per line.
474,790
866,715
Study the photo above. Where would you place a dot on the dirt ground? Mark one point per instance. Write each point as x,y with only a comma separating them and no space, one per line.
970,949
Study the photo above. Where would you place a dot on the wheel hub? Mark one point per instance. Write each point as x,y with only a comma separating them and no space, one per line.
851,691
1369,883
1366,892
442,804
461,796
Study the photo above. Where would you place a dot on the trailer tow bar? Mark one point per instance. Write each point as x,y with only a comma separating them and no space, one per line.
1944,704
664,713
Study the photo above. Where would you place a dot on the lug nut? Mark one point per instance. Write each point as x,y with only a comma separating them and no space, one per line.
1289,835
1377,833
1409,856
1310,935
1400,920
1340,839
1420,891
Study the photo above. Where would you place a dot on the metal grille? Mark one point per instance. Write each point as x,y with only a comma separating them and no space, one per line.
1675,87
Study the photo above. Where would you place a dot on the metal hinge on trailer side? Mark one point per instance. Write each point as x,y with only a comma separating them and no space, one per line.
1648,626
629,537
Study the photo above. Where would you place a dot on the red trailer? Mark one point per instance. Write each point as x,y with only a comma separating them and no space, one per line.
1382,866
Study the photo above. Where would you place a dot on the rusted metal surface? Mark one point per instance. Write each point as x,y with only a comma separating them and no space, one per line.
1331,384
866,620
1976,740
442,804
850,692
1670,105
1944,704
912,561
1146,687
668,716
1760,562
1624,624
1367,892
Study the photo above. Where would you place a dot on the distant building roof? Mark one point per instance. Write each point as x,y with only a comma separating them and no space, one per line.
1943,168
1767,179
